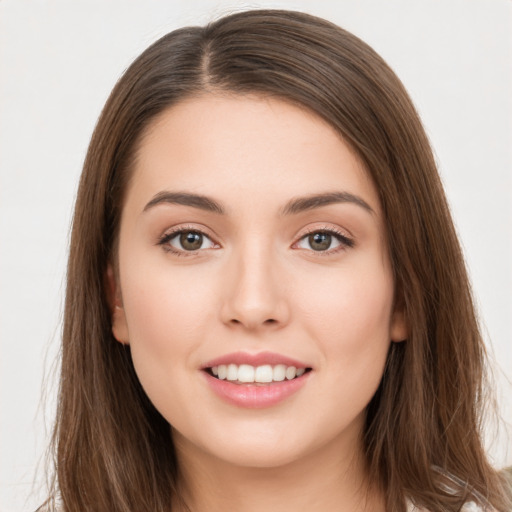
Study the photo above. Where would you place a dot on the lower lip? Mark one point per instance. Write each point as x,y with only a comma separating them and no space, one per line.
255,396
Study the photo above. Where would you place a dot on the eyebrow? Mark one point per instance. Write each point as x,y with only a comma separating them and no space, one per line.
313,201
293,207
186,199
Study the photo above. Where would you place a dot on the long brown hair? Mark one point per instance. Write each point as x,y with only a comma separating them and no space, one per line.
113,450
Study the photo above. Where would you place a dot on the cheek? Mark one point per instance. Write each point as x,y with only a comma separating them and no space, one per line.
167,316
349,313
167,313
165,307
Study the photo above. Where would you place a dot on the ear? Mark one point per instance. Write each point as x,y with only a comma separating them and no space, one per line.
115,302
399,329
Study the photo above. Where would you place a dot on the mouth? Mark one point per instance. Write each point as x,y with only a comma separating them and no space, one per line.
256,381
262,375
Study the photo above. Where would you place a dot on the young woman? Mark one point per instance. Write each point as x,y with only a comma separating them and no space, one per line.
267,307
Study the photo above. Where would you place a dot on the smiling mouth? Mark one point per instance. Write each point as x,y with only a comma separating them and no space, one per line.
247,374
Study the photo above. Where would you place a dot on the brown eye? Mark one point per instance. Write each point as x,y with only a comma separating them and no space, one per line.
328,241
320,241
191,240
186,241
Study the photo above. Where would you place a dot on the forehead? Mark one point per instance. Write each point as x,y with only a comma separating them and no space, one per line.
245,147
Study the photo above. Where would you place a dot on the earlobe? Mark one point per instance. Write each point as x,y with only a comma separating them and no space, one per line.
399,330
117,313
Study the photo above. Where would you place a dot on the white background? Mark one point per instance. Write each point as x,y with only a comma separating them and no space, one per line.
60,59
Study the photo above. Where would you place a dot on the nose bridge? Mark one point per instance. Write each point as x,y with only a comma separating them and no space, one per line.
256,297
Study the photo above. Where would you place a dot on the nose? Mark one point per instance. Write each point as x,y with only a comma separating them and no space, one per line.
256,296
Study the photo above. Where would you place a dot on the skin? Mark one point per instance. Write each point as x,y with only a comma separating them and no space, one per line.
257,285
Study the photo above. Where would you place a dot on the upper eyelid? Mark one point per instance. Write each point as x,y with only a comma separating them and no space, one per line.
170,232
345,239
325,229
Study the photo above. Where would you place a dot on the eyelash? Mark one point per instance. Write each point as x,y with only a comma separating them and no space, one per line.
167,237
345,242
343,239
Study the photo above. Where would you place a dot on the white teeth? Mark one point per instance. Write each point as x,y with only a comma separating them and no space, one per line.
279,372
291,371
261,374
232,372
223,371
246,373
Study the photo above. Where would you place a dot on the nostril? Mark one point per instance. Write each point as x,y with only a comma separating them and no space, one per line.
269,321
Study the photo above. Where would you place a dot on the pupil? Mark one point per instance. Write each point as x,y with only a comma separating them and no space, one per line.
320,241
191,241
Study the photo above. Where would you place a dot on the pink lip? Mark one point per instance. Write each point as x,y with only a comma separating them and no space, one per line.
259,359
255,396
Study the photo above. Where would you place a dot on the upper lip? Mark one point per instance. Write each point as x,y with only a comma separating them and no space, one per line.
258,359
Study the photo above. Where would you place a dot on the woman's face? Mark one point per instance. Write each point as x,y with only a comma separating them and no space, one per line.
252,242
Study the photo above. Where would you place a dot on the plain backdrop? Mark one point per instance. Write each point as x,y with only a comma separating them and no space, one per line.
59,61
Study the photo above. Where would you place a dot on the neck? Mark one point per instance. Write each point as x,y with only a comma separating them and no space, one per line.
326,480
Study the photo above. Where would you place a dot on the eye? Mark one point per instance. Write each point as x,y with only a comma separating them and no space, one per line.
324,241
186,240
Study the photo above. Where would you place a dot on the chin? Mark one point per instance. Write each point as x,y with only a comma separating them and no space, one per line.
256,456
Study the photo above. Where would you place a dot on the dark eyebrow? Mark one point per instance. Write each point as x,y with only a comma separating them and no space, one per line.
294,206
302,204
186,199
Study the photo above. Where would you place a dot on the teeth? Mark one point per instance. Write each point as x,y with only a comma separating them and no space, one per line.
291,371
279,372
245,373
223,371
263,374
232,373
